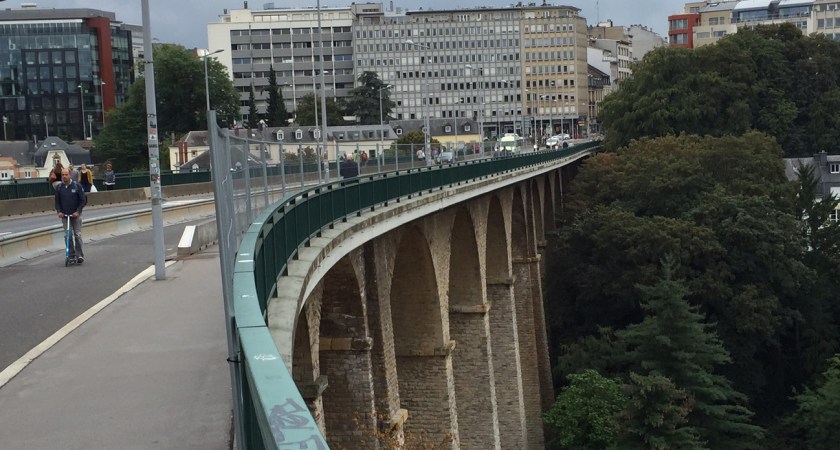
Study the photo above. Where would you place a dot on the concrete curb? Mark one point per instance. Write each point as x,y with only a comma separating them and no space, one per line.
22,246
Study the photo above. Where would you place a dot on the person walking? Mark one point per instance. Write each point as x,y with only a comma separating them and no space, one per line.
74,172
55,175
85,178
69,201
110,178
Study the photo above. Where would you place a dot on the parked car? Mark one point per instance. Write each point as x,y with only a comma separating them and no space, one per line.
446,157
556,140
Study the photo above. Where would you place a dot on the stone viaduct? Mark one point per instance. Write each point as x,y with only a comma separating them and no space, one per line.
423,319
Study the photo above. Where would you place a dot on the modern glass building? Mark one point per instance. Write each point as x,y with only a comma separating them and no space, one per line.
60,70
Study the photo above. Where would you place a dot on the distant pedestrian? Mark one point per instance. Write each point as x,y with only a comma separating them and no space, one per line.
74,173
110,178
69,201
85,178
55,175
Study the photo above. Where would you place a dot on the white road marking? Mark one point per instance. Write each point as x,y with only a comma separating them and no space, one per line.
16,367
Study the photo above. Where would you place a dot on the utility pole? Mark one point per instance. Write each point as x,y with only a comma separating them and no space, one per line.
154,151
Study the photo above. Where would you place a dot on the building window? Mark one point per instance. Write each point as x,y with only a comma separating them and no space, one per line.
280,135
834,216
398,131
466,128
298,134
834,167
448,129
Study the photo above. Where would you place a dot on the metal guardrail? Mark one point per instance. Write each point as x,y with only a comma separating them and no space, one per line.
272,412
40,187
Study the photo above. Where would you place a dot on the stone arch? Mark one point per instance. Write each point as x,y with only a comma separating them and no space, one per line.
504,339
535,203
525,267
344,357
423,359
469,328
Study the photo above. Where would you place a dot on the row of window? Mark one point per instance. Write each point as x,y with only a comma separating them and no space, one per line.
549,28
296,59
308,44
446,31
549,69
707,35
550,42
275,31
831,22
289,73
549,56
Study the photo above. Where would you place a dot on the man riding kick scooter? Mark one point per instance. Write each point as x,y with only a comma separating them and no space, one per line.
69,201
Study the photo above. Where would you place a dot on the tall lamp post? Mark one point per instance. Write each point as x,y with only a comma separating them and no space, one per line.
82,102
481,113
381,122
206,76
424,103
5,122
102,99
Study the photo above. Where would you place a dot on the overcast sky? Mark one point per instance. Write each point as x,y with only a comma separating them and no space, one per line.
185,21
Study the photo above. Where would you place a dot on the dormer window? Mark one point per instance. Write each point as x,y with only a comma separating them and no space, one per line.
316,134
448,128
281,135
467,128
834,167
398,131
298,134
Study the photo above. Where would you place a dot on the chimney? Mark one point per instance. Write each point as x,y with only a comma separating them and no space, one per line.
246,4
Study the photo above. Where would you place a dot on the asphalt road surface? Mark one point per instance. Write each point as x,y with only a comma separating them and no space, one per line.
40,295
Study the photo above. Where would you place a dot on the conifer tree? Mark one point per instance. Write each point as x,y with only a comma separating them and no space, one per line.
253,116
655,417
673,342
276,114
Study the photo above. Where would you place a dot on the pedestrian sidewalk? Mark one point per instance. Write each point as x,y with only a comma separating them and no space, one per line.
148,371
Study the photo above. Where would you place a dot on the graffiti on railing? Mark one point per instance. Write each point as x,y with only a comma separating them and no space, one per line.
293,416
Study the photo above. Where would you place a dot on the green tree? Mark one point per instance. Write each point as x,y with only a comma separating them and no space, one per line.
655,416
363,101
673,342
585,412
305,114
770,78
253,114
276,114
815,422
180,104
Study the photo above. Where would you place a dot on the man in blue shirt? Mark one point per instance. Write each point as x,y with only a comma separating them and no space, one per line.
69,201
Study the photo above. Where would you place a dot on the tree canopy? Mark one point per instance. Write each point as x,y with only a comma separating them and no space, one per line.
181,106
276,114
770,79
363,101
306,108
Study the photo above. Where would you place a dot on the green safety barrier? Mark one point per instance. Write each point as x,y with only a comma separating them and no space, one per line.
274,238
40,187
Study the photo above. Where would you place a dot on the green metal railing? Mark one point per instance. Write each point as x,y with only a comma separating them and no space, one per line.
40,187
274,238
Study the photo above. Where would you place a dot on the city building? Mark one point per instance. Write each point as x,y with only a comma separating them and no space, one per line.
681,26
252,41
706,22
505,68
64,68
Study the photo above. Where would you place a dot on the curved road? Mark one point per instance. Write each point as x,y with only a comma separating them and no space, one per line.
40,295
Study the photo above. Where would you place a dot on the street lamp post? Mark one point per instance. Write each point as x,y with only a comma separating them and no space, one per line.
5,121
102,99
82,102
424,103
381,122
206,76
481,112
